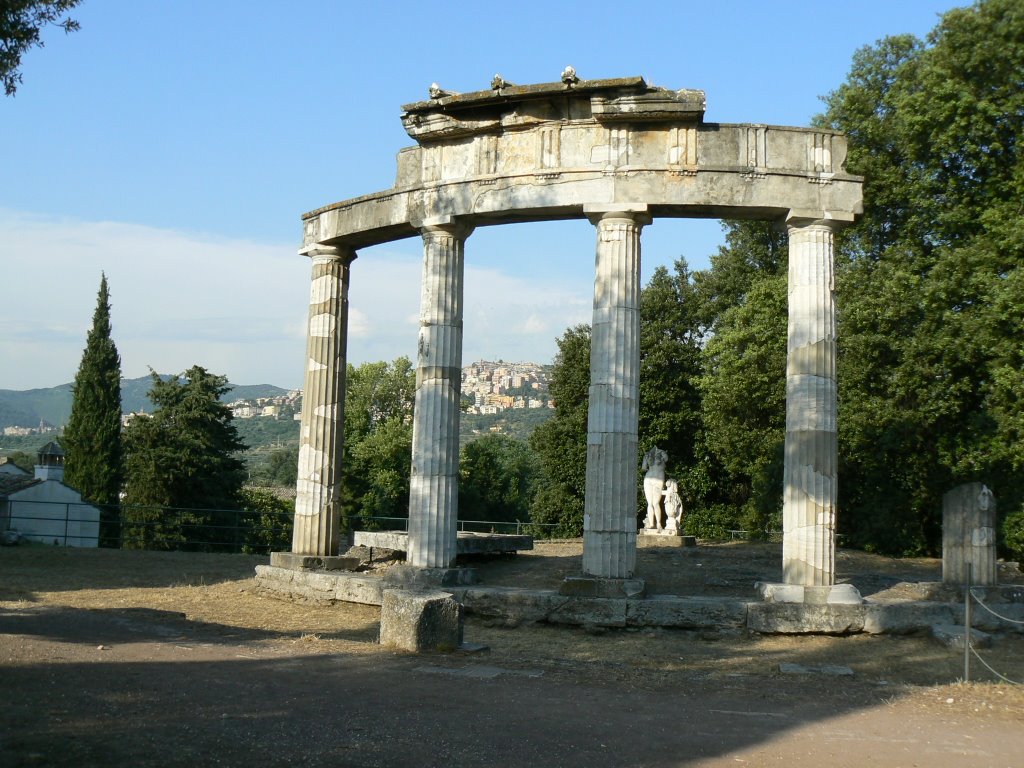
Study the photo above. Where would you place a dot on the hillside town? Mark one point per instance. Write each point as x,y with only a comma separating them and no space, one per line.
495,387
488,388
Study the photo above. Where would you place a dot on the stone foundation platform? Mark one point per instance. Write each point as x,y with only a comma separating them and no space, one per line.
514,606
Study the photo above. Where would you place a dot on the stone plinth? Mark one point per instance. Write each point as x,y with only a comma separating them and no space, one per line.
420,621
467,543
664,539
609,514
969,536
835,594
313,562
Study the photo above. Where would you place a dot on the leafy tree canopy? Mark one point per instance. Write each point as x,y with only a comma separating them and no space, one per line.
183,472
21,25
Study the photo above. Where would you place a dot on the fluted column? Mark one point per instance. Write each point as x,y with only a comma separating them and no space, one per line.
809,476
434,482
317,514
609,517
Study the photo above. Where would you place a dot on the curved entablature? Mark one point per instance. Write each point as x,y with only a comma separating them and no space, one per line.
528,153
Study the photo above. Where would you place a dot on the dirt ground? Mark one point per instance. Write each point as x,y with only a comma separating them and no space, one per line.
112,658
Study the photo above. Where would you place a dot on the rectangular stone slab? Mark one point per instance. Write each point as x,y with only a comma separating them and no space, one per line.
468,543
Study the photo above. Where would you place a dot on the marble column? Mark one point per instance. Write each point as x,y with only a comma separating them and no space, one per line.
809,476
434,482
610,508
317,514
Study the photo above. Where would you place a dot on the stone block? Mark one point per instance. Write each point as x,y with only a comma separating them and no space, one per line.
420,621
409,576
686,612
313,562
903,618
595,612
952,636
319,586
514,606
801,618
836,594
830,670
599,587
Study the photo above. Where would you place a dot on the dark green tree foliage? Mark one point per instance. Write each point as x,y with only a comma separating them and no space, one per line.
92,437
21,22
743,383
929,286
281,469
497,476
670,350
183,473
560,443
378,440
266,521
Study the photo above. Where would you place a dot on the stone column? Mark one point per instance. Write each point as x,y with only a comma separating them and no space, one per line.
434,483
317,515
809,476
609,518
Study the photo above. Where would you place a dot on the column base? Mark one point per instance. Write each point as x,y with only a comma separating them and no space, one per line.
412,577
836,594
598,586
297,562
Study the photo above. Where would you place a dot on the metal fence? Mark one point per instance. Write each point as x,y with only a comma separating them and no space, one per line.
170,528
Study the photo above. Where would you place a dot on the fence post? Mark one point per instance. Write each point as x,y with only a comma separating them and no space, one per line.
967,624
67,514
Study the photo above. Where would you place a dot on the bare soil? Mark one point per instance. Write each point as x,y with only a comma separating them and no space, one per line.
113,658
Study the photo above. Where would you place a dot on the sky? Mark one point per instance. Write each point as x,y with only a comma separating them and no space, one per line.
174,145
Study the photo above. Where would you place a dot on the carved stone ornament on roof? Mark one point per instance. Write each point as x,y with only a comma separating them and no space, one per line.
498,82
437,92
569,76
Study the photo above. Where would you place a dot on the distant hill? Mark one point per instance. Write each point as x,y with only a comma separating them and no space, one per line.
25,408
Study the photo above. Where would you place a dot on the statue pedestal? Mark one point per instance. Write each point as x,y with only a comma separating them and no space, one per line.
654,538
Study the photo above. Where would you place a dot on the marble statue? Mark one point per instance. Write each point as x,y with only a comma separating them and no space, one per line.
654,483
673,507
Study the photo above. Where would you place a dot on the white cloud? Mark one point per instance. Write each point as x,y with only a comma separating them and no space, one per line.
237,307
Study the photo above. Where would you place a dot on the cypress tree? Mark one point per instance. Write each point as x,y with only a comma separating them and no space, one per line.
92,437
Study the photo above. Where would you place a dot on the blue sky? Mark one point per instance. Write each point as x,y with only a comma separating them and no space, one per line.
174,144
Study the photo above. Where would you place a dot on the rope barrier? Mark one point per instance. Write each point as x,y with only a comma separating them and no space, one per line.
994,613
985,664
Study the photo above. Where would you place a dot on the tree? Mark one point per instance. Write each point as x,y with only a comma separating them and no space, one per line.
92,437
670,367
496,479
183,474
929,286
377,458
21,24
266,522
561,442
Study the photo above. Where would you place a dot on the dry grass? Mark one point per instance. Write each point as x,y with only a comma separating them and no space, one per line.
217,591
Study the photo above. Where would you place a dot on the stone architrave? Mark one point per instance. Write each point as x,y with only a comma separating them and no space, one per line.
809,475
609,516
434,483
317,516
969,536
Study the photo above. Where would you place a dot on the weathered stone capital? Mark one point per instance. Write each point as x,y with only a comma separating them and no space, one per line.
322,252
634,212
459,228
831,220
